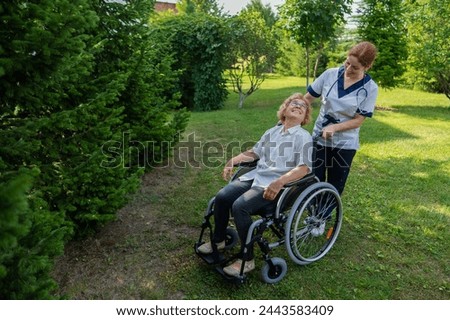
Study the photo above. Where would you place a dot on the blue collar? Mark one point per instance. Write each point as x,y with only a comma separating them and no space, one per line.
360,84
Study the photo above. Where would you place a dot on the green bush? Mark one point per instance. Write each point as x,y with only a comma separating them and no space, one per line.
32,236
13,209
151,94
199,43
76,77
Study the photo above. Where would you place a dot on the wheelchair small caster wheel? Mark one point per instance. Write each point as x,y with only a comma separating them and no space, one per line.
273,270
231,239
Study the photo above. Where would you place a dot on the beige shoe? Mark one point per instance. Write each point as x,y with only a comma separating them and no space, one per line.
206,248
235,268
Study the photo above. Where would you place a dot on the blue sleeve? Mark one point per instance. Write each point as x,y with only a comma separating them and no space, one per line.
316,88
312,92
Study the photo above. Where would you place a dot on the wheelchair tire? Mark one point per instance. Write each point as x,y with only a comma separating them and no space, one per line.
314,223
275,272
231,239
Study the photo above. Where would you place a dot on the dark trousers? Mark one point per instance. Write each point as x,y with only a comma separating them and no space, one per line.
333,165
243,201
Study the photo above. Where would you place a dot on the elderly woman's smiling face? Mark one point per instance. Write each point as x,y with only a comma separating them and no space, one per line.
296,106
294,109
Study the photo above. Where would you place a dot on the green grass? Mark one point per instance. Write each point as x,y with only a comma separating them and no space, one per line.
395,235
394,239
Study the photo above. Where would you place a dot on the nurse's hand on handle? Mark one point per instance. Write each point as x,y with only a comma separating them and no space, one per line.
328,132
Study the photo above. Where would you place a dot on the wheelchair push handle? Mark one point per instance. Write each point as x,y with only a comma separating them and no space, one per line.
317,136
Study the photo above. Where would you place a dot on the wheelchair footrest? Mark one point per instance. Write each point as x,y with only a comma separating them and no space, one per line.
212,258
219,260
236,280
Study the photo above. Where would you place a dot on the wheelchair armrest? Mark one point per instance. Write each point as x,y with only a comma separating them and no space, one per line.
249,164
306,179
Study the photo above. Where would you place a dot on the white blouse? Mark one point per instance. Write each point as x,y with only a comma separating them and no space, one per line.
279,152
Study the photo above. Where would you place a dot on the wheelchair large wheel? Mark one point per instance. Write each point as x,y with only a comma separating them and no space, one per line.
313,223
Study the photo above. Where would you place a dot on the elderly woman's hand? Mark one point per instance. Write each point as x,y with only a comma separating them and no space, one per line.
271,192
227,172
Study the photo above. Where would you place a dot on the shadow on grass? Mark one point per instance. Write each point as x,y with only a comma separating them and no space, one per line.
396,228
405,200
374,131
424,112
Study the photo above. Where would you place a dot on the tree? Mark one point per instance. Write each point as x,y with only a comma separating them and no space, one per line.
196,6
252,51
312,23
199,43
266,12
270,18
131,49
382,22
429,34
43,59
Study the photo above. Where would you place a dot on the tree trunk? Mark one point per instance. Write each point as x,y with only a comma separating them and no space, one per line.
241,100
444,84
307,67
316,65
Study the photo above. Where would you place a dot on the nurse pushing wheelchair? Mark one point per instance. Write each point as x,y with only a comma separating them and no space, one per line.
274,183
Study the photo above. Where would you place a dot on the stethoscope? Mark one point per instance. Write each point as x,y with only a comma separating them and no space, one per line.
328,118
363,89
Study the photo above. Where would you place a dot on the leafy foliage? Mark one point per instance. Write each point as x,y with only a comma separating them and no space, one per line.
14,206
134,51
199,44
32,236
383,23
312,23
429,31
266,11
253,51
199,6
292,59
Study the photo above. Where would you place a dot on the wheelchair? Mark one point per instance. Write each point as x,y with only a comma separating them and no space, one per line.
306,220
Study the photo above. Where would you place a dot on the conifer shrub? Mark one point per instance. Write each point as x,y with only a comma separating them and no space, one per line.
75,77
31,237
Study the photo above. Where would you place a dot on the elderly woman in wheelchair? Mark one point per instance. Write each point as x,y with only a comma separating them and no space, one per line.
275,182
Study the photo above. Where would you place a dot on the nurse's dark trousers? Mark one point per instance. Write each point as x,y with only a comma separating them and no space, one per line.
333,165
